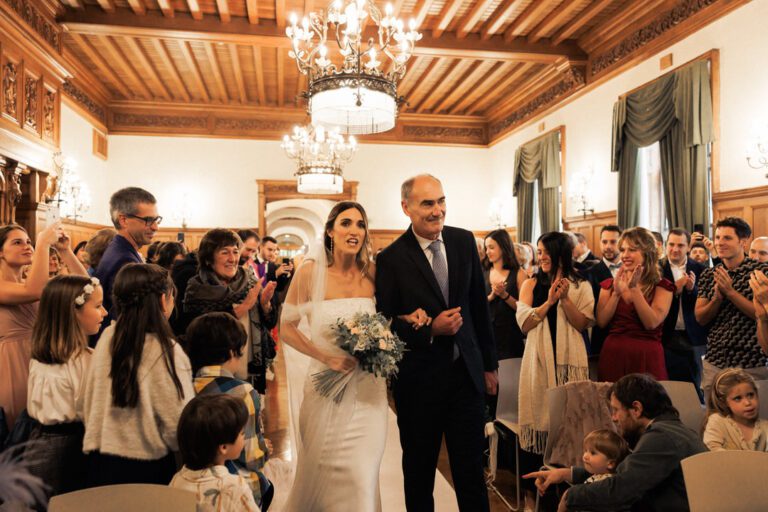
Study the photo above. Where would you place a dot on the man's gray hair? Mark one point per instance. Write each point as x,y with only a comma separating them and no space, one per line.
580,237
125,202
407,187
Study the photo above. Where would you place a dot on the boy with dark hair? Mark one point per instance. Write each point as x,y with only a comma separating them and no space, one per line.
211,433
216,342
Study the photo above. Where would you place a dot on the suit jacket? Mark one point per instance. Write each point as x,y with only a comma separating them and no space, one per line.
648,479
271,275
697,334
119,253
596,274
405,281
587,264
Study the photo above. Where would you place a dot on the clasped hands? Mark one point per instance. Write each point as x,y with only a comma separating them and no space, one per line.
723,283
625,282
687,281
559,290
759,284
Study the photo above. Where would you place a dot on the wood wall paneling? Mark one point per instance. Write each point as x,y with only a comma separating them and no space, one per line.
749,204
590,226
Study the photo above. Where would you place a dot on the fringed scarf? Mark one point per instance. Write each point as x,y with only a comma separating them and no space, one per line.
540,370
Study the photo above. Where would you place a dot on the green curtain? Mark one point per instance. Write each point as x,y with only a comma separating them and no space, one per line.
538,162
676,111
684,149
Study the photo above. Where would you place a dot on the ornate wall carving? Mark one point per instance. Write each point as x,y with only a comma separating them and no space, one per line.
31,102
49,114
10,89
159,121
468,135
85,101
574,78
648,33
44,27
234,123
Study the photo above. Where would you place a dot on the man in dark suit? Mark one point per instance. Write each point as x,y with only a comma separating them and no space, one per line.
450,363
134,214
583,259
683,338
267,267
604,269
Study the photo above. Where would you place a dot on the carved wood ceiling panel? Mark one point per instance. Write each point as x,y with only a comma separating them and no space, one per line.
487,65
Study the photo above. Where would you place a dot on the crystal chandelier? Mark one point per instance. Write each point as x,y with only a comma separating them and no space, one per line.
73,197
319,156
357,96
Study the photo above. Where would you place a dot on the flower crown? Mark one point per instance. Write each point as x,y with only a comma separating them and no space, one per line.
87,291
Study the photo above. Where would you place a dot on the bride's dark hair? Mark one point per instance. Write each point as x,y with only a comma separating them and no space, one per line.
363,257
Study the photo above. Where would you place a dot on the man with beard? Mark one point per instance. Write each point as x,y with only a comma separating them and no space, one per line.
134,214
604,269
650,478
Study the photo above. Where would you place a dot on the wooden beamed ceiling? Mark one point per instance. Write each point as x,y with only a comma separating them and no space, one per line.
478,61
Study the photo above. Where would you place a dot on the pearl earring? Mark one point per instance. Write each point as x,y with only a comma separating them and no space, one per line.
331,245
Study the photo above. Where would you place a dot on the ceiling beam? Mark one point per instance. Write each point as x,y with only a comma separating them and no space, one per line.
526,91
580,20
194,10
223,7
446,16
280,14
499,17
442,85
435,69
420,11
413,73
280,77
258,65
104,68
234,56
240,31
553,19
165,56
107,5
483,101
194,68
630,14
527,18
143,59
471,19
166,8
470,78
489,81
138,7
218,76
252,8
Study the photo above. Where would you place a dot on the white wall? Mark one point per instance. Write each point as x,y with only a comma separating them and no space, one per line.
218,175
743,42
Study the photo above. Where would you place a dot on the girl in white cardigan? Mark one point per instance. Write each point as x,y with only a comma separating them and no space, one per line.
70,311
139,382
733,407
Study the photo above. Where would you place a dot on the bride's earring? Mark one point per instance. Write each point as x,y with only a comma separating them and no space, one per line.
331,245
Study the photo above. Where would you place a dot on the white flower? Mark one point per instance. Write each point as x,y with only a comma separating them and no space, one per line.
79,300
95,281
88,289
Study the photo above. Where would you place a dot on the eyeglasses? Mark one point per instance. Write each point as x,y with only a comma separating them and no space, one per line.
146,220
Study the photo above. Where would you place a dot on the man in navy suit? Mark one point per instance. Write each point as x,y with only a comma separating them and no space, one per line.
605,268
683,338
450,363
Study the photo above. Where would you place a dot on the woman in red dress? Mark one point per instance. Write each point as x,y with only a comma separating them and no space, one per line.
634,306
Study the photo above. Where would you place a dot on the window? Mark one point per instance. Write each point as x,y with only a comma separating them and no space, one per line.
652,207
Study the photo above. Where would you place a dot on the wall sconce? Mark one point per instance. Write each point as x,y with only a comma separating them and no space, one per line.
497,212
757,155
580,184
72,196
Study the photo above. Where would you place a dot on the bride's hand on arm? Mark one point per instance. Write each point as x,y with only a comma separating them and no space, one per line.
417,319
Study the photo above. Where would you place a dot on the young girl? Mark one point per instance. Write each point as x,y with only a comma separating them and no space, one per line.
603,452
212,432
732,413
70,311
140,380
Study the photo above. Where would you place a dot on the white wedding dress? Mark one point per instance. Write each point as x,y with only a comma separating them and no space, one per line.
340,446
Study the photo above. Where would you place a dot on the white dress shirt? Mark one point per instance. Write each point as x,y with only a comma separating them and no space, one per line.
424,243
55,391
678,271
612,267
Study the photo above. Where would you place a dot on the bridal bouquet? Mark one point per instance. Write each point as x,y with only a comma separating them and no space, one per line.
369,339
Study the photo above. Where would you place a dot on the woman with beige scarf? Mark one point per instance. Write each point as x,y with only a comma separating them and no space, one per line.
555,307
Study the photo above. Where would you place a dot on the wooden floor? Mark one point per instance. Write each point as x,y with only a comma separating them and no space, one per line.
276,430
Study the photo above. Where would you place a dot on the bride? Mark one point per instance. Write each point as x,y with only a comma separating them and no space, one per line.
339,445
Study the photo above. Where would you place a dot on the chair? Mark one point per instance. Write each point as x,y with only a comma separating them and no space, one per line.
125,498
686,401
726,480
762,394
507,416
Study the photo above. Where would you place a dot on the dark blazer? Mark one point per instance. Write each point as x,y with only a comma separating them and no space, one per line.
271,274
697,334
649,479
405,281
119,253
596,274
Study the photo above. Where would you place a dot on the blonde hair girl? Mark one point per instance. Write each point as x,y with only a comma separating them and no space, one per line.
733,409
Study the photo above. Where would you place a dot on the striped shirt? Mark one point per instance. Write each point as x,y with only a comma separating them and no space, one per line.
215,379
